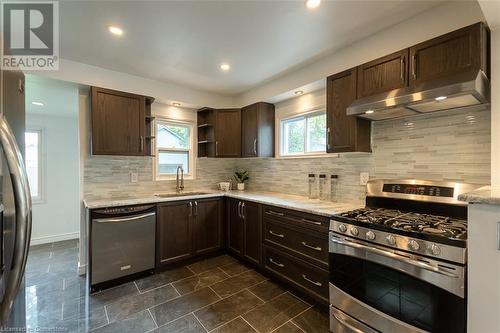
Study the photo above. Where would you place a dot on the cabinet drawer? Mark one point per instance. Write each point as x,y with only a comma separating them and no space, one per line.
301,219
309,278
311,244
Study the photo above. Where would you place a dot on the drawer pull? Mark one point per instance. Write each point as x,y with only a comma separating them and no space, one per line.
309,221
271,212
276,263
277,235
319,284
315,248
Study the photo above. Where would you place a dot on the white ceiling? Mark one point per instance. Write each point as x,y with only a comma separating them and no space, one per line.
185,41
59,98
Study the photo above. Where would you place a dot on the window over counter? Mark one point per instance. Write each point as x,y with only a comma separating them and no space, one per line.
174,147
34,160
303,135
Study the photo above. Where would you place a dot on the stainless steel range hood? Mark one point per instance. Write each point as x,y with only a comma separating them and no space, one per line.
459,91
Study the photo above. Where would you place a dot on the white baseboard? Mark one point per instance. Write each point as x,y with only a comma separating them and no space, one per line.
55,238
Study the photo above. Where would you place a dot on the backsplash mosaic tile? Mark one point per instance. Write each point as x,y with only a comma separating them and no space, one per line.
439,146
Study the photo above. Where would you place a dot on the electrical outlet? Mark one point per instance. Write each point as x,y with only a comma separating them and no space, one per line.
364,177
134,177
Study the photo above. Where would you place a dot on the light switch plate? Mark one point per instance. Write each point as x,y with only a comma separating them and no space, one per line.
134,177
364,177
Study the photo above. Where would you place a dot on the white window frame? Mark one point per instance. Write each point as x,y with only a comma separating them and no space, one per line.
191,149
40,198
281,139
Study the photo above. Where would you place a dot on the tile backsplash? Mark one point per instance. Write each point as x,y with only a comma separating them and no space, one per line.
440,146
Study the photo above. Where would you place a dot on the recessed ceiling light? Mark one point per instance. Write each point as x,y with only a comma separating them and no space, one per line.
225,67
176,104
369,111
441,98
115,30
37,103
298,92
313,3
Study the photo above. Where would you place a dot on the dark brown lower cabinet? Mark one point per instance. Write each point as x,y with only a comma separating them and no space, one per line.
174,232
244,230
208,230
306,277
188,228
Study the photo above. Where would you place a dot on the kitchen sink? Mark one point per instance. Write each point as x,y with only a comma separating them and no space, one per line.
181,194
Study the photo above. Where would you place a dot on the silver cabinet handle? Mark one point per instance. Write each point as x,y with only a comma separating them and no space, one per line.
255,147
316,248
243,210
312,222
124,219
414,66
190,204
239,209
402,64
142,143
328,138
271,212
277,235
196,208
22,202
216,148
394,256
319,284
276,263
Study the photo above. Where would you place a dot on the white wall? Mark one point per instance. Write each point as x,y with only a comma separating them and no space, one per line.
57,218
495,107
437,21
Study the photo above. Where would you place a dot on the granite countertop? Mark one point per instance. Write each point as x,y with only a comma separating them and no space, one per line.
300,203
485,195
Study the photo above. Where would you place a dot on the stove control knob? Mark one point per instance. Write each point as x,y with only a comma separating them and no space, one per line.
342,228
354,231
435,250
370,235
413,244
391,240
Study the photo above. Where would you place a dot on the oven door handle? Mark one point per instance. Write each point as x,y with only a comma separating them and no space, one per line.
394,256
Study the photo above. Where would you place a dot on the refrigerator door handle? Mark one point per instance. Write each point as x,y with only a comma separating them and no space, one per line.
22,201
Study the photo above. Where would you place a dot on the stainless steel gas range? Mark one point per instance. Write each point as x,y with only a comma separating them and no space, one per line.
399,264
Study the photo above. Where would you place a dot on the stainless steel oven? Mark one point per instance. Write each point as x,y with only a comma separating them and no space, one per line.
394,267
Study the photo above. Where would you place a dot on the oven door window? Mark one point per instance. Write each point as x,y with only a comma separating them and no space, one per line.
398,295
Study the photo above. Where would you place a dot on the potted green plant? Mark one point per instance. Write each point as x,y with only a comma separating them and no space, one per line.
241,177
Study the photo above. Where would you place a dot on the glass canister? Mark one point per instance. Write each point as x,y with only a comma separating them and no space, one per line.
313,193
323,191
334,180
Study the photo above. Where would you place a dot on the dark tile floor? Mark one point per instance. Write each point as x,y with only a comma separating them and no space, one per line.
214,295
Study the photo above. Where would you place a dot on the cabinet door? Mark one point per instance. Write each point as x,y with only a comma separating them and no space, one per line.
457,52
249,119
344,133
174,235
253,232
234,227
383,74
228,133
118,122
207,225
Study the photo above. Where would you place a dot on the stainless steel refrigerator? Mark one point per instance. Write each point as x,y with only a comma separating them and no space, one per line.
15,201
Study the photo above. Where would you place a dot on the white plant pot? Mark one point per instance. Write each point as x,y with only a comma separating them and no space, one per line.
240,186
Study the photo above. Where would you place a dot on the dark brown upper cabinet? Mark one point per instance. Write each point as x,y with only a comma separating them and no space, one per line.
228,133
344,133
120,123
460,51
219,132
257,130
383,74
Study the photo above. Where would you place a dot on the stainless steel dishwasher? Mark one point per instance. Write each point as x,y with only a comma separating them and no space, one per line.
122,243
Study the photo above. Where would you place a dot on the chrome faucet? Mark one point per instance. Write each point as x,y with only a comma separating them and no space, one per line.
180,186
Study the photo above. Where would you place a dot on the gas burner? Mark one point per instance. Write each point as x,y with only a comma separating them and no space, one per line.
435,225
